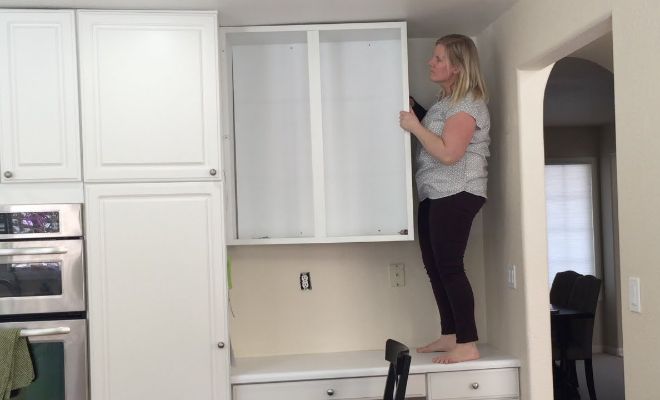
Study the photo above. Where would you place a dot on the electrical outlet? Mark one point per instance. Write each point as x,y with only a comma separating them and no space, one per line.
511,279
305,281
397,275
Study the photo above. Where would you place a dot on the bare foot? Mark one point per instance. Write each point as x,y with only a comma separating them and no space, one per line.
445,343
462,352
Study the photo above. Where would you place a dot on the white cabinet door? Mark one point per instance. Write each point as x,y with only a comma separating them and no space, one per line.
157,291
149,95
39,130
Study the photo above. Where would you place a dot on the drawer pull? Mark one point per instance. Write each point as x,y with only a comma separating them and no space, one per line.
330,392
475,385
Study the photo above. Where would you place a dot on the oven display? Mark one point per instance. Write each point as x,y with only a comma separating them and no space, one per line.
15,223
30,279
49,366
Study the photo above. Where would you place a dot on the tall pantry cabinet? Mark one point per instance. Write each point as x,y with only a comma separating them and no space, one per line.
154,219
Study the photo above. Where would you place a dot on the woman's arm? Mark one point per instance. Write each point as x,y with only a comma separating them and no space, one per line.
451,145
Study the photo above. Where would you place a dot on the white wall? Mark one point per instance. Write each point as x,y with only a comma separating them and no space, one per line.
351,305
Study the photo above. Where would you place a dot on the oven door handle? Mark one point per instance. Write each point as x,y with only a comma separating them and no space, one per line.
45,331
32,251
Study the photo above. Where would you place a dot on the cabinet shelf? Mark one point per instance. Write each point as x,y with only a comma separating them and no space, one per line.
309,240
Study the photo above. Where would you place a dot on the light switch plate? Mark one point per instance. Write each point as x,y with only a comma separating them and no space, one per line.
634,295
511,279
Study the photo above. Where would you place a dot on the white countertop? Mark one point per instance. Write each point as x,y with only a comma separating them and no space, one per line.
351,364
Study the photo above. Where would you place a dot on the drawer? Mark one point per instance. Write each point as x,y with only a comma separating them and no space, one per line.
353,388
475,384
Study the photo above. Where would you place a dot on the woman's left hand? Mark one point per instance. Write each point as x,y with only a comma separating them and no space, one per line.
408,121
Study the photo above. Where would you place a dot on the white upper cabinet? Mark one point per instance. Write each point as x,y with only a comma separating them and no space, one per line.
39,129
149,95
313,145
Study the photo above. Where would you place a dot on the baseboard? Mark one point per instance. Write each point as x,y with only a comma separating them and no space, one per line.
616,351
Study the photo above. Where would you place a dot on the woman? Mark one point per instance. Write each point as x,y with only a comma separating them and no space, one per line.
451,184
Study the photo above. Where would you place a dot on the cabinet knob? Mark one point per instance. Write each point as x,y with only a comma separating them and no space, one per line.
475,385
213,172
8,174
330,392
221,345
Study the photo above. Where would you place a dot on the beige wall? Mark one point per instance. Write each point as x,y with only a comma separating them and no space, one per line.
520,48
532,35
636,34
571,142
612,327
351,305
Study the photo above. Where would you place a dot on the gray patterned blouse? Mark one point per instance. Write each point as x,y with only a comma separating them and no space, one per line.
469,174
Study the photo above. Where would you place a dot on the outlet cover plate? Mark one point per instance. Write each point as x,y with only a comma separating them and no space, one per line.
397,275
305,281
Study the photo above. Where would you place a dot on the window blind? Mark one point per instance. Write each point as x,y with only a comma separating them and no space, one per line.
569,212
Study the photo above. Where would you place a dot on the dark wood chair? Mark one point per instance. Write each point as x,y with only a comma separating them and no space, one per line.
577,333
562,285
397,377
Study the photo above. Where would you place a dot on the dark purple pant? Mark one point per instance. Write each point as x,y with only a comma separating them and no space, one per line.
444,227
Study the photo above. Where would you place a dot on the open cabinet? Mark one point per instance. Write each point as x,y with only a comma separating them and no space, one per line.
313,149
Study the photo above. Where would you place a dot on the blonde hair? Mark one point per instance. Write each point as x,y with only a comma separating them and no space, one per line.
462,54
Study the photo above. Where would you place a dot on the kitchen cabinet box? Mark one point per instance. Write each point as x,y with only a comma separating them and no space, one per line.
490,384
39,128
149,95
157,285
313,149
356,375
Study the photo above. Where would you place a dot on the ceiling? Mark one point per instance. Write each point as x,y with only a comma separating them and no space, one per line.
426,18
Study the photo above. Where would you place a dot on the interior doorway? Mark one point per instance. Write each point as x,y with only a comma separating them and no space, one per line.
581,209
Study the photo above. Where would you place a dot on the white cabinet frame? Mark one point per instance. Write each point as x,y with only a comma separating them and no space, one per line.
316,133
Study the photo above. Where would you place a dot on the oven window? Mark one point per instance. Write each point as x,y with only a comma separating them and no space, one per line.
30,222
49,360
30,279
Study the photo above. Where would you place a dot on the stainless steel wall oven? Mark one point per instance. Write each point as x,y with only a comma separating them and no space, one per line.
42,291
